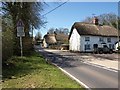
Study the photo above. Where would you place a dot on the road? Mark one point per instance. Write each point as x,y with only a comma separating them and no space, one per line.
91,76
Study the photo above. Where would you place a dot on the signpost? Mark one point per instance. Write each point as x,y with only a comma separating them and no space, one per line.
20,33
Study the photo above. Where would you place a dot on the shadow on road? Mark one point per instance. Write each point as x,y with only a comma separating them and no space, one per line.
64,61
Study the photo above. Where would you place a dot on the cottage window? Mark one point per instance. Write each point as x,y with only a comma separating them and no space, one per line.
111,46
101,39
108,40
87,38
87,46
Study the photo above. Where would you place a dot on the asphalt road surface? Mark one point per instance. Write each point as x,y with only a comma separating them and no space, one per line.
92,76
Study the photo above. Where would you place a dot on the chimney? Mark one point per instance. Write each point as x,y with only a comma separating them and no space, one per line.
95,21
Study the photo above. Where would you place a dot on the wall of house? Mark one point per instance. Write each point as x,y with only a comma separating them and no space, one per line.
74,42
45,45
95,40
113,41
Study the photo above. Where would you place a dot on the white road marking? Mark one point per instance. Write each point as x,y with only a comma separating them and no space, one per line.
71,76
100,66
74,78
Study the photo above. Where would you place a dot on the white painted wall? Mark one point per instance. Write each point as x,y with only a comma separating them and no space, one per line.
77,42
74,41
45,45
95,40
113,41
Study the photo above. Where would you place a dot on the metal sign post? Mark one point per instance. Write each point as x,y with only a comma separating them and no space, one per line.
20,33
21,46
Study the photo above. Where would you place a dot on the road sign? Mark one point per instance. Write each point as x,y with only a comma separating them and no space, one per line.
20,29
20,33
20,23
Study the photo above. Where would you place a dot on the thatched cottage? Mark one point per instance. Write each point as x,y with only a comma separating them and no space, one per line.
83,36
55,40
49,39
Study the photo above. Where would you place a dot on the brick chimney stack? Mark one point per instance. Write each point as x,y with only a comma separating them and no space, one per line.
95,21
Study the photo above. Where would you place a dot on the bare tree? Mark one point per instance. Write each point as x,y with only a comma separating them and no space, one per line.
38,36
106,19
51,31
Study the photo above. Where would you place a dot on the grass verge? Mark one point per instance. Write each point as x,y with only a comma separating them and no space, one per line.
34,72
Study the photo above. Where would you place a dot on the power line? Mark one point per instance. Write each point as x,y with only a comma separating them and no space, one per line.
55,8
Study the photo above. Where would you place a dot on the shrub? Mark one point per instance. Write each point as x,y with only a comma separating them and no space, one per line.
27,46
7,44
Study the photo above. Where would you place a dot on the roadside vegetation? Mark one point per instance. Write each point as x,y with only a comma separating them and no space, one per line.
33,72
30,71
11,13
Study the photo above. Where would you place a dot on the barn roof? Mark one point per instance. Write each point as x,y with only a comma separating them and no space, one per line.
94,30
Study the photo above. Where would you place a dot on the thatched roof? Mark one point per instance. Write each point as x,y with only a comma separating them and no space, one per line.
94,30
50,38
61,38
55,38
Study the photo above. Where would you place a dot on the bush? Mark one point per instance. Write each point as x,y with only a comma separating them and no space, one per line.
27,46
7,45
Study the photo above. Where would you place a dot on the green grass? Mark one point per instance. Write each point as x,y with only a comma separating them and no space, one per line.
34,72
